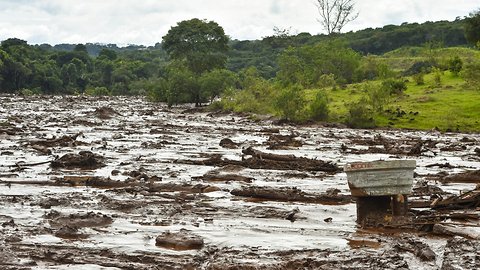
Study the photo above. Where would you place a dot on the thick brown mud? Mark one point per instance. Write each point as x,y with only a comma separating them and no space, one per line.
121,183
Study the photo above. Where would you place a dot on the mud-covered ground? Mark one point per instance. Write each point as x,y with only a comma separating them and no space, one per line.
120,183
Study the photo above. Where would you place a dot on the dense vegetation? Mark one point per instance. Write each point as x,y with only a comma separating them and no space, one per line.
400,76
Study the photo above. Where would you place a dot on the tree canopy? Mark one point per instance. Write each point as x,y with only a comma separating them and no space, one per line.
200,43
472,28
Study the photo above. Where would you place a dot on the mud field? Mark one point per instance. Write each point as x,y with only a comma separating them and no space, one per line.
120,183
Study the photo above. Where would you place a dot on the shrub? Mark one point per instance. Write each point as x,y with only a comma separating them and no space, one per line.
420,67
378,97
97,91
394,86
360,115
455,65
290,103
419,78
318,109
437,77
471,74
26,92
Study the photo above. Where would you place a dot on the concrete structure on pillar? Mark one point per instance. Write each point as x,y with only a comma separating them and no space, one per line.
381,189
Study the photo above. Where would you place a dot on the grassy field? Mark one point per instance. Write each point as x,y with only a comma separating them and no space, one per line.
448,106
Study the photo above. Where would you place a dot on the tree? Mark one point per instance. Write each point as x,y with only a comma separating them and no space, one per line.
290,103
472,27
213,83
335,14
202,44
306,65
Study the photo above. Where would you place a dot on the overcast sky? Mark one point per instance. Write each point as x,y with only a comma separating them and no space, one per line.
146,21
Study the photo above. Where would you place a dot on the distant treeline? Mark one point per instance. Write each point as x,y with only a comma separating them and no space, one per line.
133,70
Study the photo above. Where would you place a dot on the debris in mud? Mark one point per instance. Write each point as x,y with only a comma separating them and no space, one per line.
78,220
215,176
64,141
228,143
68,232
188,188
453,230
466,177
267,161
83,160
283,142
461,253
261,160
470,199
418,248
91,181
105,112
383,145
182,240
422,188
291,195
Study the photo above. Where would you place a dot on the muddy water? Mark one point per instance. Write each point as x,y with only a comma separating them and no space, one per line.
138,137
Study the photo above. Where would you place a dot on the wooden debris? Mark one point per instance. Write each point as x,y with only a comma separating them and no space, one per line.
82,160
268,161
290,195
466,177
456,231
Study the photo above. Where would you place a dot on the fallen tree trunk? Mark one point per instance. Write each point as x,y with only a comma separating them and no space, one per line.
456,231
291,195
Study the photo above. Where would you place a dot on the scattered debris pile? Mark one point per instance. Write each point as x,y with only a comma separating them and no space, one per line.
83,160
283,142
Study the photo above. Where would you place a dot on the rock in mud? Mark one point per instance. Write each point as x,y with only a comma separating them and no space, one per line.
83,160
68,232
105,112
228,143
182,240
80,220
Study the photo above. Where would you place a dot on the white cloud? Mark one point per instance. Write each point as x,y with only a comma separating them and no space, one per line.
146,21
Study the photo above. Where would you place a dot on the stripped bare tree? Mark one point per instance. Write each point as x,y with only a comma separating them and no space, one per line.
335,14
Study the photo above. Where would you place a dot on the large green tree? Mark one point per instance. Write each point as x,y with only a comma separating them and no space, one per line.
200,45
472,27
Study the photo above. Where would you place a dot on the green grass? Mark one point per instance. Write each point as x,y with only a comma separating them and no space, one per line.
448,106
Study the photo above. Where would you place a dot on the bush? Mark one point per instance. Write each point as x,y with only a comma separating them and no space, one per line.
97,91
419,78
471,75
437,77
455,65
26,92
420,67
394,86
378,97
360,115
290,103
318,109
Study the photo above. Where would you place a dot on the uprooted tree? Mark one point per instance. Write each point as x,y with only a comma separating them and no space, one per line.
335,14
